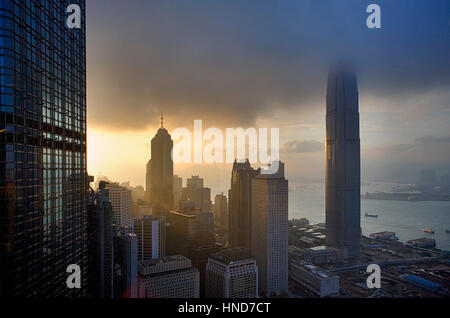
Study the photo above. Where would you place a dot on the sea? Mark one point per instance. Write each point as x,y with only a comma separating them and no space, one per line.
407,219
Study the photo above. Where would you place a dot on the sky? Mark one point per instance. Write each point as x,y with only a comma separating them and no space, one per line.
264,64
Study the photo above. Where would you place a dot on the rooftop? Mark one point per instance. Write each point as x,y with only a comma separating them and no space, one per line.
231,255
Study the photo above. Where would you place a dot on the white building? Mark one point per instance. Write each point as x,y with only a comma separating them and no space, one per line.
231,273
121,202
316,279
269,229
168,277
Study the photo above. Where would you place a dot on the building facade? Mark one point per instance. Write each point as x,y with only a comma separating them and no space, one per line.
169,277
240,204
43,177
125,263
161,172
319,281
100,235
196,192
151,237
122,204
231,273
270,231
221,211
343,171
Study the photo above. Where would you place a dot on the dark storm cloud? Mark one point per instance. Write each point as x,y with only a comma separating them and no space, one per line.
230,62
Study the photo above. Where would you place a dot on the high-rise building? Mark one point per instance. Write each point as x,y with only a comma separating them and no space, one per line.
197,193
43,179
240,204
148,180
122,205
125,263
100,234
160,172
221,211
232,273
168,277
177,189
188,229
151,237
343,180
270,231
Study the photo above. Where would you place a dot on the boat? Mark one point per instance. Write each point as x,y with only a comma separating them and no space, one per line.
371,215
447,231
429,231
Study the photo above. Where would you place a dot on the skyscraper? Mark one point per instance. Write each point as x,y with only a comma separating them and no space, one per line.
221,211
240,204
151,236
270,231
161,172
177,188
43,179
343,181
100,231
232,273
196,192
122,204
125,262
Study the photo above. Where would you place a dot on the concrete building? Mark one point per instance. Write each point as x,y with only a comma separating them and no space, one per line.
151,237
197,193
125,263
317,280
177,188
144,210
240,204
343,168
269,229
232,273
319,255
168,277
121,202
221,211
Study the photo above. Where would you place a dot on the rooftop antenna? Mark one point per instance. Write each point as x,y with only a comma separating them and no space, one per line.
162,120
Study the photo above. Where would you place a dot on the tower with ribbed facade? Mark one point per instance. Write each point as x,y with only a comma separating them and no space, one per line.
161,172
343,181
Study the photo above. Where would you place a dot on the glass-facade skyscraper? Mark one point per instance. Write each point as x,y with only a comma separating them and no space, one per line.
42,148
343,164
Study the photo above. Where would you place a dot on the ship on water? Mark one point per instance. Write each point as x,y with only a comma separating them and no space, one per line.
371,215
430,231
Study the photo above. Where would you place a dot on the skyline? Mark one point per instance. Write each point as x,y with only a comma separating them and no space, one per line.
267,69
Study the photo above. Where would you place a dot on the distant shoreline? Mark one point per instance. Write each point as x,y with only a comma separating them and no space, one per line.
412,197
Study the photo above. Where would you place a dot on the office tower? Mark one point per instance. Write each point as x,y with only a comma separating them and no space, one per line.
43,179
232,273
125,263
240,204
168,277
120,198
270,231
221,211
177,188
148,180
161,172
199,258
100,243
428,178
188,229
197,193
144,210
151,237
343,181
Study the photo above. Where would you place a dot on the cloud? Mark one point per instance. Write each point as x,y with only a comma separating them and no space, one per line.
232,62
302,146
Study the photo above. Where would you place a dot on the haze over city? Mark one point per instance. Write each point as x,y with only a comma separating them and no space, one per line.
234,64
